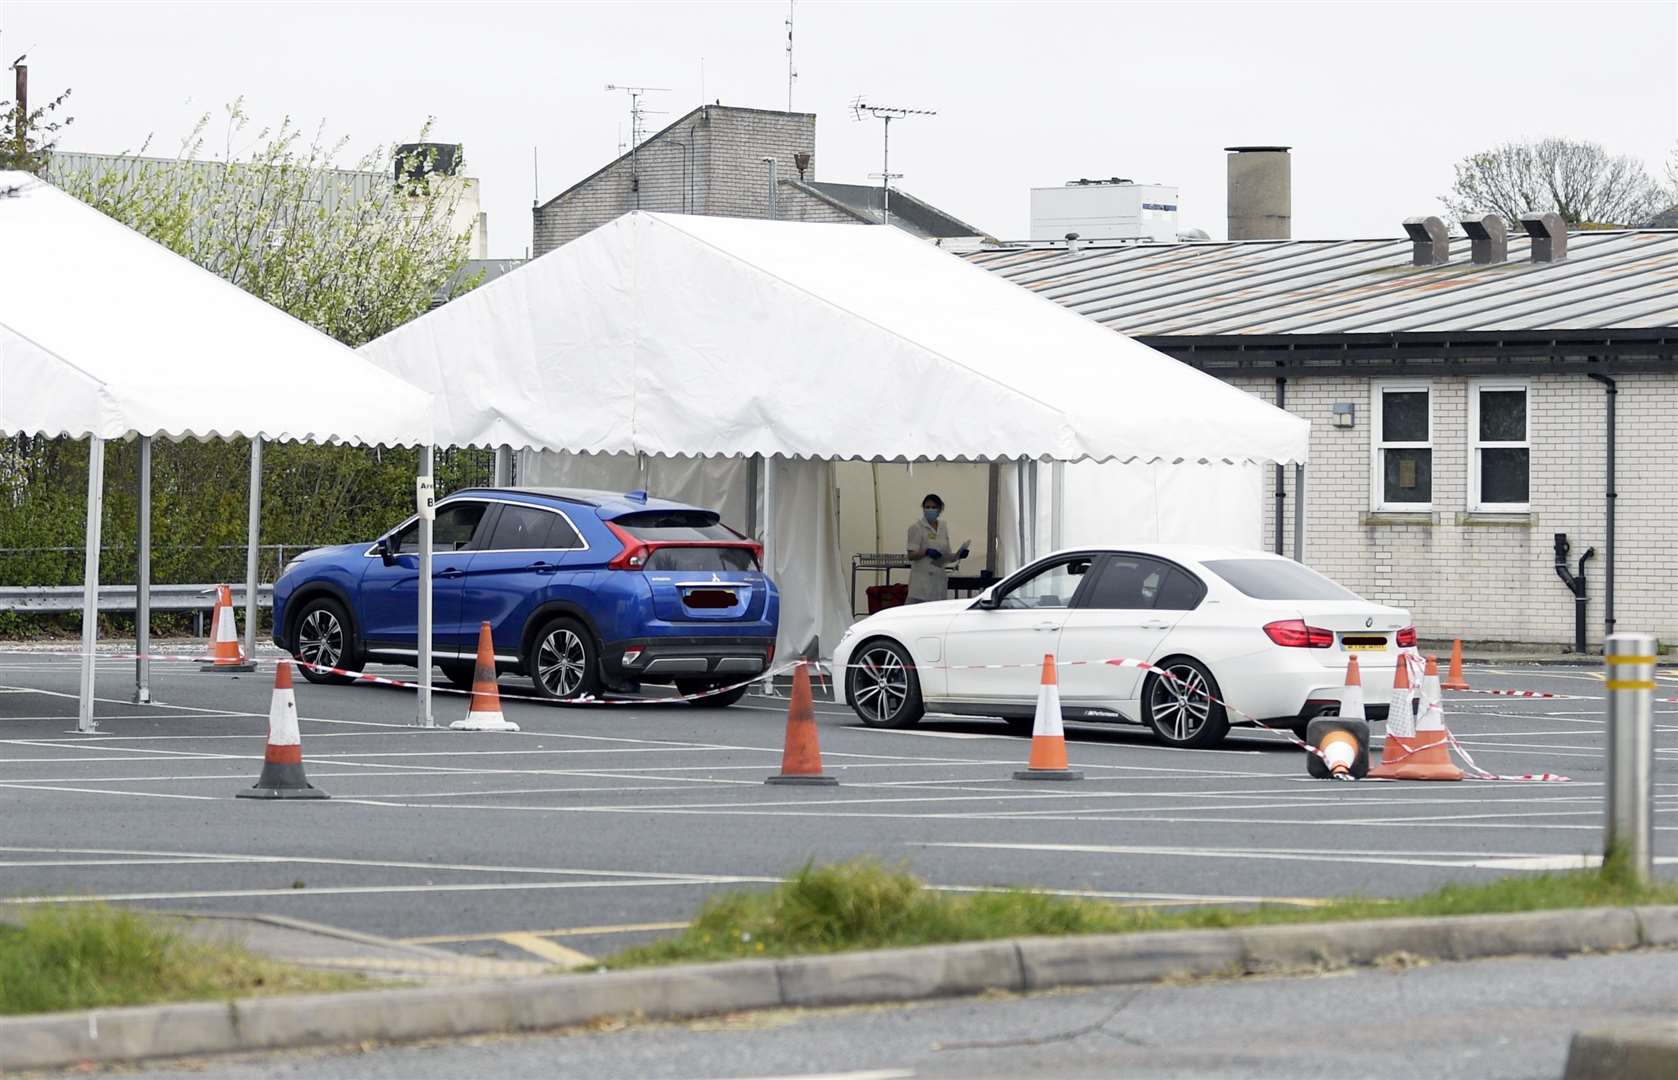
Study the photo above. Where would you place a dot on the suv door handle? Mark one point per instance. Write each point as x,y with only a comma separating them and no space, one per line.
450,572
544,567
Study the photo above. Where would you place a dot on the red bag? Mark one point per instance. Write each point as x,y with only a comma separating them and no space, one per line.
881,597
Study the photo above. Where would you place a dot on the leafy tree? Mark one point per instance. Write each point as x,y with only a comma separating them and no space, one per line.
1579,180
27,135
353,257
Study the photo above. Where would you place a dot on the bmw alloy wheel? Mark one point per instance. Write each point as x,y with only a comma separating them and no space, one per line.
881,685
1180,704
320,638
562,663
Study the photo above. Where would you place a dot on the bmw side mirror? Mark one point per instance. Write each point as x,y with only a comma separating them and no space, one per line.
383,548
987,600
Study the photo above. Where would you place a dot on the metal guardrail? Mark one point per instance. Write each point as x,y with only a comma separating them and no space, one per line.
53,599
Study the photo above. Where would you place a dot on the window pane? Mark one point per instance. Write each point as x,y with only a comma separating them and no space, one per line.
1503,416
1182,592
674,525
1053,588
406,540
563,537
701,559
1503,476
1277,579
455,525
1127,583
1404,416
1408,476
521,528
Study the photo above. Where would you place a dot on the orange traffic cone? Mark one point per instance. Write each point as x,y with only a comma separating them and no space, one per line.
1342,741
1454,679
1425,753
485,712
801,760
282,764
1048,739
224,638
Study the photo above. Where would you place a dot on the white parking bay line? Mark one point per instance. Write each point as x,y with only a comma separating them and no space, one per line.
360,890
1471,861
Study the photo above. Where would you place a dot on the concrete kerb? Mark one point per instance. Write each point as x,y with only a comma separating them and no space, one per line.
1640,1050
551,1002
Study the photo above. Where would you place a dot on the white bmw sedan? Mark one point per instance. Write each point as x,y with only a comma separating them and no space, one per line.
1266,636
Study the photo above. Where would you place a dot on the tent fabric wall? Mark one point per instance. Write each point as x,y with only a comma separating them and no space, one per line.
1157,502
808,569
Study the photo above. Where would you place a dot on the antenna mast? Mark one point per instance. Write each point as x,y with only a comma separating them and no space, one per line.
792,72
887,113
637,129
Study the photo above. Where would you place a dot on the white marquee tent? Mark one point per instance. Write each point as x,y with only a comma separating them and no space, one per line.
107,335
710,343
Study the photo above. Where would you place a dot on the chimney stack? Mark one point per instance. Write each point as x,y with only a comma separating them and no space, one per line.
1490,239
1430,241
1549,236
1260,193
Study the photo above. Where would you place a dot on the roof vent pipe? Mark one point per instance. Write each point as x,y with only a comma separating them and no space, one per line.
1071,243
1549,236
1490,239
1430,241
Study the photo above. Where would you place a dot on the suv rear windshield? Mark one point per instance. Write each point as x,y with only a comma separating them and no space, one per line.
1277,579
701,559
675,526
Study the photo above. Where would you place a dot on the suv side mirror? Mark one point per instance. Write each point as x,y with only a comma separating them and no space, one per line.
383,548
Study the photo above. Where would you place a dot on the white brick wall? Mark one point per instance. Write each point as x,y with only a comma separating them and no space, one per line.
1496,582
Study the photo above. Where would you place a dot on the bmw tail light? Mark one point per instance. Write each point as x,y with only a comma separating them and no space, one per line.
1294,634
1406,638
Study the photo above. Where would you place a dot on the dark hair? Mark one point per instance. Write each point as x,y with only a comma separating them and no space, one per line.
934,500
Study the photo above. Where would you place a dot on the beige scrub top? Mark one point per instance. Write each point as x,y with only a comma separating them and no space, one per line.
927,579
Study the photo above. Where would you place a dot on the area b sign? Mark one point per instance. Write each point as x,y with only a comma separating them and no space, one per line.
425,497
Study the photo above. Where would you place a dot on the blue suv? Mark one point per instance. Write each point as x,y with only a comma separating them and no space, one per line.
584,591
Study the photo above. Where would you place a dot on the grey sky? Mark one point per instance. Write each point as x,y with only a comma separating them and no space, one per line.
1378,100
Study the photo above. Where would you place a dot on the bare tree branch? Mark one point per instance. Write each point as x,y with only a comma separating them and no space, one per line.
1579,180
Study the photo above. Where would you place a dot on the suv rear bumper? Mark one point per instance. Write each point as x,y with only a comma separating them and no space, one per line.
667,659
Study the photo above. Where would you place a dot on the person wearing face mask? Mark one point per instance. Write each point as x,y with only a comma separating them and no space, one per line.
929,553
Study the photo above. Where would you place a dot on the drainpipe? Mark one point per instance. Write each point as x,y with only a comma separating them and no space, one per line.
1281,470
1613,389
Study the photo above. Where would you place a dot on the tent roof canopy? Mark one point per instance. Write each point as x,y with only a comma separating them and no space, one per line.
104,332
680,335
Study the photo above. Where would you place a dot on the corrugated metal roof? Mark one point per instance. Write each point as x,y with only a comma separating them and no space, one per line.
1609,280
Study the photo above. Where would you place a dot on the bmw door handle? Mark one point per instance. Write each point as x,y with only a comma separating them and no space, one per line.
1047,627
1156,624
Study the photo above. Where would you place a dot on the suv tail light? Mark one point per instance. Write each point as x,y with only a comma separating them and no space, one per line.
1406,638
1294,634
636,551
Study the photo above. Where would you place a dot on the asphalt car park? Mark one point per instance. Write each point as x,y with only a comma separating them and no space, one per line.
596,826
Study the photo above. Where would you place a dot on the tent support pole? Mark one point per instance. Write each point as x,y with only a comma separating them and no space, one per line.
1281,470
1299,512
1034,490
90,579
1057,506
1022,507
503,466
423,661
253,541
770,548
142,583
993,495
754,476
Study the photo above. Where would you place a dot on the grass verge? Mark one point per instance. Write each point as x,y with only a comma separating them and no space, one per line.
863,905
81,957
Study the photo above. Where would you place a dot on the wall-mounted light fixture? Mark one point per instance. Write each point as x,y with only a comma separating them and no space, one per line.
1345,414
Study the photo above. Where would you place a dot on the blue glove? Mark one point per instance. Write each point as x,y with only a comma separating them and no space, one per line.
963,553
934,553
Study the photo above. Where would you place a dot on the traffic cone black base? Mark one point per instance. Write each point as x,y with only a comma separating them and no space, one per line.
1320,728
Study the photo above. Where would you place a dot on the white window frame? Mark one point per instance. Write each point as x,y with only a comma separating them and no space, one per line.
1377,443
1475,445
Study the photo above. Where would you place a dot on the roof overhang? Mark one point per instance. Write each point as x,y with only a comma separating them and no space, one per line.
1456,352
